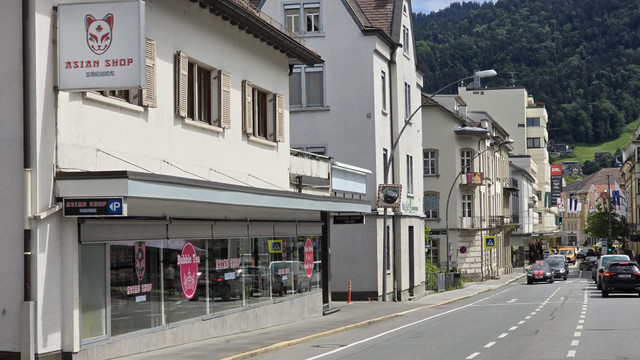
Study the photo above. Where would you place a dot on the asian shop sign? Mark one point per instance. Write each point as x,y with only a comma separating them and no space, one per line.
101,46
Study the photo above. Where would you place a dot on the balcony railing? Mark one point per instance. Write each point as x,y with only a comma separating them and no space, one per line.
470,222
510,183
496,221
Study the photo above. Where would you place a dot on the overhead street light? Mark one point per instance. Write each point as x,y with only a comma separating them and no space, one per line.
387,164
453,184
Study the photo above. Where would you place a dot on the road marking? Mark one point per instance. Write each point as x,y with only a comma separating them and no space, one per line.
577,334
503,335
527,317
575,342
579,327
473,355
521,322
490,344
580,321
571,354
513,328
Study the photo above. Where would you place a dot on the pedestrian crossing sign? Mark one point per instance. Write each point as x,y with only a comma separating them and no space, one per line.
489,242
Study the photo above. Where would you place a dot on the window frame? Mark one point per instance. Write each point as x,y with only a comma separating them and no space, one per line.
383,78
407,100
296,13
305,86
406,40
466,199
218,92
466,160
429,163
262,113
409,174
532,141
431,213
533,121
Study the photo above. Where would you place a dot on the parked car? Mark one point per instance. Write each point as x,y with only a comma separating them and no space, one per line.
559,266
539,272
598,269
291,274
585,252
569,253
620,277
587,263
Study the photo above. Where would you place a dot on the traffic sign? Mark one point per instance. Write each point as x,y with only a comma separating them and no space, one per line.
490,242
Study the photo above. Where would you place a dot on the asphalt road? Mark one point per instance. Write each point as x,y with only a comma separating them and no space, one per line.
564,320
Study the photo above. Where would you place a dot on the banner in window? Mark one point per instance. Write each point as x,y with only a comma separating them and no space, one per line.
101,45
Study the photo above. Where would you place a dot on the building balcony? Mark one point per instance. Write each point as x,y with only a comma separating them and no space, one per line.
472,179
470,222
496,221
510,184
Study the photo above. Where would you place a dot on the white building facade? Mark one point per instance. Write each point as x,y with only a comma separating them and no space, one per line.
353,107
159,216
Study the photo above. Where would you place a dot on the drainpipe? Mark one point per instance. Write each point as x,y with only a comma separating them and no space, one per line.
26,148
391,64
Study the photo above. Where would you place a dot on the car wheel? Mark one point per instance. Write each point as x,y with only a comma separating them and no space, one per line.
529,282
565,277
552,280
605,293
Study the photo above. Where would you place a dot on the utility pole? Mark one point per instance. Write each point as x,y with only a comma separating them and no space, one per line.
609,210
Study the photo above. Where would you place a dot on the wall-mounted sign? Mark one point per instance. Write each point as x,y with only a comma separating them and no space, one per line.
94,207
489,242
275,246
101,45
348,219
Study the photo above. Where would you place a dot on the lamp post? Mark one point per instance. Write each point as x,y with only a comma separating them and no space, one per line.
507,141
387,165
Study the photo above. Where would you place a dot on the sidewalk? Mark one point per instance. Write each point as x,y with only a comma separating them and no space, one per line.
347,316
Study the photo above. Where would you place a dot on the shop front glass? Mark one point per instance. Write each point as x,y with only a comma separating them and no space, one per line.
158,282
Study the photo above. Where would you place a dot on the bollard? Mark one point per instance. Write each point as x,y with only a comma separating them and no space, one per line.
349,294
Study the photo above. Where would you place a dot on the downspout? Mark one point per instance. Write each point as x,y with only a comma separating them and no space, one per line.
26,149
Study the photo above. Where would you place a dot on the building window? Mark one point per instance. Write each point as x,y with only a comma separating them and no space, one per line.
430,161
146,96
405,40
409,174
306,86
407,100
533,143
203,93
533,121
431,203
467,205
465,160
383,78
263,113
303,18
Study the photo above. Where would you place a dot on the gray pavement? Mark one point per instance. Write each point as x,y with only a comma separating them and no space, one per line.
346,316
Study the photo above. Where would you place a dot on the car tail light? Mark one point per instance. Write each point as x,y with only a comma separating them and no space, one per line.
609,273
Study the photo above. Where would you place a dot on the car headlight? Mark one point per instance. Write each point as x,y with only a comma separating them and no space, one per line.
548,274
561,270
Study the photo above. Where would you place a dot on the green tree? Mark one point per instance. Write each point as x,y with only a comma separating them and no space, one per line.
598,224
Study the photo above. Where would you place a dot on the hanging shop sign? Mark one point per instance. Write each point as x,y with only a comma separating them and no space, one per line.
101,46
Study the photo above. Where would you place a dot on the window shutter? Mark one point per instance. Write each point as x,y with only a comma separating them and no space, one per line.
224,83
247,108
149,95
314,88
279,117
295,88
182,83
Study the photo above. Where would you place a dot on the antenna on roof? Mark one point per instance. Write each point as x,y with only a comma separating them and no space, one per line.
513,80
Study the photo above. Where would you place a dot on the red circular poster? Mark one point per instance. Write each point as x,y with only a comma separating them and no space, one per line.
308,257
188,262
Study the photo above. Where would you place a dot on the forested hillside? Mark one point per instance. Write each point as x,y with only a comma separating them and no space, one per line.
580,57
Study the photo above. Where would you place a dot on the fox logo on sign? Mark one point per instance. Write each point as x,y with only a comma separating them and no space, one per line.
489,242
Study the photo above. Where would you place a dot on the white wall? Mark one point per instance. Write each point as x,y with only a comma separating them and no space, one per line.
11,177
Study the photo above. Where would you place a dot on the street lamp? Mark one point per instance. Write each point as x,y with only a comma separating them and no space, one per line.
387,164
446,215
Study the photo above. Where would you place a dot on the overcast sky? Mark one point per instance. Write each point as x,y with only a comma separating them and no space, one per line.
427,6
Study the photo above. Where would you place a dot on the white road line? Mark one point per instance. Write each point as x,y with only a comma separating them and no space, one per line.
571,354
580,321
577,334
579,327
575,342
513,328
490,344
473,355
527,317
521,322
503,335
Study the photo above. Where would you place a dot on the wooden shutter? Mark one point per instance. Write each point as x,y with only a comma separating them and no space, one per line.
247,108
224,91
149,95
279,117
182,83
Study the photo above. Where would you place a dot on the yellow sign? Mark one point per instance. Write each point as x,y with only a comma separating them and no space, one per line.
489,242
275,246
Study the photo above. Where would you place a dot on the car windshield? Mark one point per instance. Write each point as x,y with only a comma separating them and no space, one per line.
539,267
566,252
555,262
614,258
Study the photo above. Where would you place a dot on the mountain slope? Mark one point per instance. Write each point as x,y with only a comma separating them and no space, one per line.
580,57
